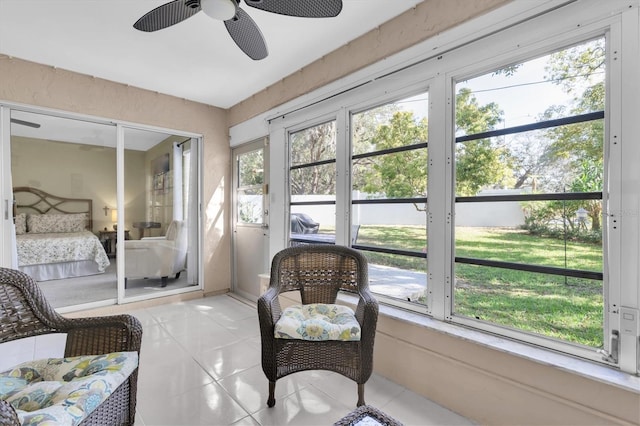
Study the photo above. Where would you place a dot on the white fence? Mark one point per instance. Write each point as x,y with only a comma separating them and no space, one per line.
508,213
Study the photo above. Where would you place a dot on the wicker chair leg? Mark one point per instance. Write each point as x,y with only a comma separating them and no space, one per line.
360,394
272,399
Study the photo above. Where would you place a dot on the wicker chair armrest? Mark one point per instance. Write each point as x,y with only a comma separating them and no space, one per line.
367,309
269,310
95,335
8,415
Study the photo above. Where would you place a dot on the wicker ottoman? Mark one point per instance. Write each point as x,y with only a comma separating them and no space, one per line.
367,415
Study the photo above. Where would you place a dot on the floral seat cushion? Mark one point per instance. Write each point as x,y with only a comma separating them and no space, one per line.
318,321
64,391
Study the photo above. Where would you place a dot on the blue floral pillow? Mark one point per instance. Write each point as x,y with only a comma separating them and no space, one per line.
64,390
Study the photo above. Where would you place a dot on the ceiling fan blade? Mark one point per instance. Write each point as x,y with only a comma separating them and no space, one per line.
25,123
244,31
166,15
300,8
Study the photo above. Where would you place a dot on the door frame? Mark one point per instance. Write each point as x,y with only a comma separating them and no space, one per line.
254,145
6,192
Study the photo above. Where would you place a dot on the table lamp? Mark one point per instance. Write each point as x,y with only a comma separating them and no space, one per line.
114,219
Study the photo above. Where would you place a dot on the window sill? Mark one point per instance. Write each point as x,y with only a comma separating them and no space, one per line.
590,370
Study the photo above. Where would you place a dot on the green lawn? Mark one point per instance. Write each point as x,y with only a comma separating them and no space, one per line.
566,308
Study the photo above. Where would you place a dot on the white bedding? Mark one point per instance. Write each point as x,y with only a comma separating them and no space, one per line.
37,249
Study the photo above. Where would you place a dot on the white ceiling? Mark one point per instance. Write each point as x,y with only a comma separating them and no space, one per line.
195,59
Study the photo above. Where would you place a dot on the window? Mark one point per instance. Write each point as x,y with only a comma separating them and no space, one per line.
529,166
312,186
520,232
389,197
250,187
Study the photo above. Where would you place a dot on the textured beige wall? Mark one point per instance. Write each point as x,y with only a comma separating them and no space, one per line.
427,19
495,387
488,386
34,84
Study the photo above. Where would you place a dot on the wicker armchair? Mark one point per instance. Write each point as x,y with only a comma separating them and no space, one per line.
24,312
318,272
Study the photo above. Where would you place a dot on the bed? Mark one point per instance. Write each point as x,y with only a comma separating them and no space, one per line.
54,238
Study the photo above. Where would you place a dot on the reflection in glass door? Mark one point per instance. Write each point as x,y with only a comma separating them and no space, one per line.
90,194
63,174
158,213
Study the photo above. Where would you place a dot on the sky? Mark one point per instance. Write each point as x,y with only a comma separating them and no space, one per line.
522,97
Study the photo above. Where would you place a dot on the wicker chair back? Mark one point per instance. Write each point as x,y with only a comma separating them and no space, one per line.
24,312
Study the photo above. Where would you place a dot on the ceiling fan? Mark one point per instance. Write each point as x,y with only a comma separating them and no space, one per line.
25,123
242,29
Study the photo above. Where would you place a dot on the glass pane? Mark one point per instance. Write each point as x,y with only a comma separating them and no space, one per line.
392,125
392,226
313,224
566,158
544,240
251,168
559,234
315,183
561,159
560,84
71,159
392,175
159,212
570,309
250,201
396,175
250,205
316,143
399,277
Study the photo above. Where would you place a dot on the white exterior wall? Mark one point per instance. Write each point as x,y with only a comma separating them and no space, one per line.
507,214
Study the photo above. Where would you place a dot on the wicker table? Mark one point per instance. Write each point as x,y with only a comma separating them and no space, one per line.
367,416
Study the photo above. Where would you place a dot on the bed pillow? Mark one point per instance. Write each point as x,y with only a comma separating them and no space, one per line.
55,223
21,223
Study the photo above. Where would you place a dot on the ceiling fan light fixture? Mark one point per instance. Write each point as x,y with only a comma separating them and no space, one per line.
222,10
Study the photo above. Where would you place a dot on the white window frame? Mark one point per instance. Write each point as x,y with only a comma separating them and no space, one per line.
561,27
562,346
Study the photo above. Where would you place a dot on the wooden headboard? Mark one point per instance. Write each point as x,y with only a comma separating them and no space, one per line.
34,200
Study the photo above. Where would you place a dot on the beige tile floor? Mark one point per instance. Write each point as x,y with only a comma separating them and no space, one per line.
200,365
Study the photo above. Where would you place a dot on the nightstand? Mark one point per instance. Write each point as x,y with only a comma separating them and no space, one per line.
109,239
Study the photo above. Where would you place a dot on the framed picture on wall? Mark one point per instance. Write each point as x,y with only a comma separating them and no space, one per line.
160,171
158,181
160,164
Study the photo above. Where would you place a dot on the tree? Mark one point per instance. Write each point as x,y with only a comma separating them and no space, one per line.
400,174
251,168
364,126
580,71
479,163
308,146
574,152
250,180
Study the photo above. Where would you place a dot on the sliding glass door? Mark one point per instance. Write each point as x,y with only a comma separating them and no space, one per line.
159,226
98,213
